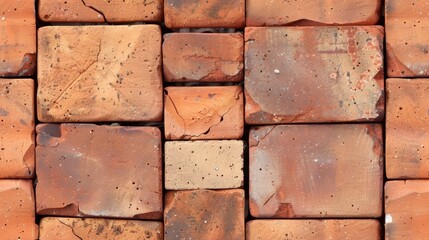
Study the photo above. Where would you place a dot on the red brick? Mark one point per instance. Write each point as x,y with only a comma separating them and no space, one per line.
407,209
314,74
17,213
313,229
316,12
90,170
17,38
203,13
98,229
315,171
100,11
204,214
203,57
99,73
16,128
203,112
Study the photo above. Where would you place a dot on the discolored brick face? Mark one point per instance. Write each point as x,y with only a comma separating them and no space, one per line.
99,73
335,169
314,74
89,170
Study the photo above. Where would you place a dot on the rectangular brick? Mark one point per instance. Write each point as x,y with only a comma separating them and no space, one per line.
315,171
203,57
100,10
17,38
313,229
203,112
407,124
203,165
407,209
90,170
98,229
17,213
99,73
314,74
16,128
204,214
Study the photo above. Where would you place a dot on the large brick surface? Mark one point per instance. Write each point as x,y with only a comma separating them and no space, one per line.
17,38
314,74
89,170
16,128
99,73
315,171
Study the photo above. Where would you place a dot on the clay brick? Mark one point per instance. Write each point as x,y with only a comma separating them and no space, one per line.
203,165
98,229
99,73
204,214
16,128
313,229
203,13
90,170
314,74
316,12
315,171
17,213
203,112
407,209
100,11
407,124
406,38
203,57
17,38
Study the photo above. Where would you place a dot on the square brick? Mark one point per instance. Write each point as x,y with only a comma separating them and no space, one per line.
90,170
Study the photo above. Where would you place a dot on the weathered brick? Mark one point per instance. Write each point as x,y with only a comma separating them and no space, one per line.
406,38
316,12
313,229
407,124
90,170
203,165
17,38
100,11
203,112
407,209
17,213
99,73
16,128
203,13
314,74
316,171
98,229
204,214
203,57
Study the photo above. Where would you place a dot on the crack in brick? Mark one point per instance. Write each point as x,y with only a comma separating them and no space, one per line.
263,137
72,229
177,112
95,9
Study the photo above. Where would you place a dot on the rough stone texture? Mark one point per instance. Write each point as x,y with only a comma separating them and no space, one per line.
204,214
407,124
99,73
203,57
316,12
313,229
100,10
314,74
407,209
203,13
203,165
203,112
406,38
17,213
90,170
16,128
98,229
315,171
17,38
